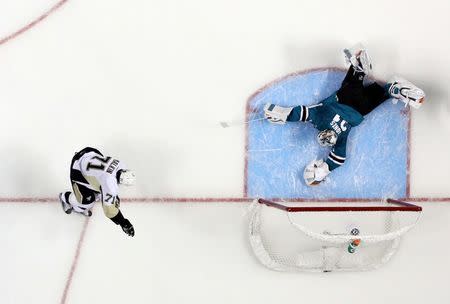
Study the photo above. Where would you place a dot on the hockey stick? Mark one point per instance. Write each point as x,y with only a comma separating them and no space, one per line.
227,124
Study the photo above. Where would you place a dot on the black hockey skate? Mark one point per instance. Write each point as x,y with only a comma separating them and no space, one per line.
87,213
63,198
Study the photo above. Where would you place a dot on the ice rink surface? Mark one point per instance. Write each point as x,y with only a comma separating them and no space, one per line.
148,82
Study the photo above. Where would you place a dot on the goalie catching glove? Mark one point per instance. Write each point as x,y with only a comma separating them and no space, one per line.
276,114
316,172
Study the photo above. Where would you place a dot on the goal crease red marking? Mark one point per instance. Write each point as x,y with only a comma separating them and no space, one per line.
32,23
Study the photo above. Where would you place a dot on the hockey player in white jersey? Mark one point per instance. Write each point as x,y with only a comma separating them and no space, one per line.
96,177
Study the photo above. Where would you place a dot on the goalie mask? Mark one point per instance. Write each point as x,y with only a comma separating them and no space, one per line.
126,177
327,138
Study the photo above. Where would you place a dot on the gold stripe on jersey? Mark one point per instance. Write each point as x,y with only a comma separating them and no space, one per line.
93,182
110,210
77,193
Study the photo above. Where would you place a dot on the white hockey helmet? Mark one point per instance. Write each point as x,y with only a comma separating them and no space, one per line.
327,138
126,177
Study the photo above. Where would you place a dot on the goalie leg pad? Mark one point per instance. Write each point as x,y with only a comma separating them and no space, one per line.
276,114
406,92
357,56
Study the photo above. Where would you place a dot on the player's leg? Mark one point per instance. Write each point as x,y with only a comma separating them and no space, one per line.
352,91
375,94
360,66
358,57
81,200
353,95
405,91
70,203
353,78
363,99
399,89
64,198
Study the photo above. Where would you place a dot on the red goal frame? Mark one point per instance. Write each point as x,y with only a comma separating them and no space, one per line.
396,205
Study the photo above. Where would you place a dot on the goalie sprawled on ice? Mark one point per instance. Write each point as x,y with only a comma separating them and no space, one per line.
336,115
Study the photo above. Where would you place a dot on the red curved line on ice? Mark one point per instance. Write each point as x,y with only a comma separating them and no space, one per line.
32,23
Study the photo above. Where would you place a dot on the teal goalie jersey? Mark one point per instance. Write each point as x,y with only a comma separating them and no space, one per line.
330,114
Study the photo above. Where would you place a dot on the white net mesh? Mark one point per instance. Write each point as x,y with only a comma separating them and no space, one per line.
326,240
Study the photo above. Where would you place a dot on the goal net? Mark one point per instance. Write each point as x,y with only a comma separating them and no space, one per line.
321,237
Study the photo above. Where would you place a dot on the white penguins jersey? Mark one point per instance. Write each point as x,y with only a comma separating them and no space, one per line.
101,174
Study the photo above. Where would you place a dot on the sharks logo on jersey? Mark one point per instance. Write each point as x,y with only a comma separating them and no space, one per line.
338,124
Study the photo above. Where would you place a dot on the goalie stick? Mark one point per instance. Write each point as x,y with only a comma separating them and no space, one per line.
227,124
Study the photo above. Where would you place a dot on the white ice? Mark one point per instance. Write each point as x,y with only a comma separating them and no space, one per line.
148,82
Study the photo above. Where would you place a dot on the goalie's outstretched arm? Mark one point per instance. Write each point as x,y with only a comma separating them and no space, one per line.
316,171
337,155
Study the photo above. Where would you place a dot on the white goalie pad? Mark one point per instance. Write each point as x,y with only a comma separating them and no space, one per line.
403,90
358,57
320,240
276,114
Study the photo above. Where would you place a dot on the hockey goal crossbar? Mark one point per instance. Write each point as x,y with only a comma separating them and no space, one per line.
396,205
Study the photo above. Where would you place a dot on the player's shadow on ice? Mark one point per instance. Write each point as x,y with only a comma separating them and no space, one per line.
26,173
301,54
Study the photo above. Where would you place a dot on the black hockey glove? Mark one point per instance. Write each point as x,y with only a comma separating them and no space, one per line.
127,227
124,223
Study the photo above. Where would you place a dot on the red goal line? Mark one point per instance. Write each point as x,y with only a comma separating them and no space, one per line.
145,200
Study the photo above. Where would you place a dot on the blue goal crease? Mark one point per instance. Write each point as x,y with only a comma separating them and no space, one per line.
377,151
